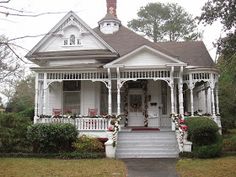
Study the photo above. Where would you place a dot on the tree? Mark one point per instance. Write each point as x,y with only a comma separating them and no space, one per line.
163,22
225,11
23,97
9,66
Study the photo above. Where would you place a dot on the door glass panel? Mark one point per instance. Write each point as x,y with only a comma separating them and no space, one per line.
135,103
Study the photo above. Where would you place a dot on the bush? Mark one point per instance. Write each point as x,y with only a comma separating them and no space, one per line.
230,144
81,155
13,131
62,155
52,138
202,131
88,144
228,122
29,112
208,151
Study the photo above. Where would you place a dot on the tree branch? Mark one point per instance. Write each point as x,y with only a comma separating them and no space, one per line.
7,1
15,53
30,15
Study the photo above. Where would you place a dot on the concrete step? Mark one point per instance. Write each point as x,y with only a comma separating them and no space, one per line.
147,155
147,145
144,146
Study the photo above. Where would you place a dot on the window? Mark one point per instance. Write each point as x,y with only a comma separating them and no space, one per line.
66,42
104,99
78,42
72,39
164,97
71,97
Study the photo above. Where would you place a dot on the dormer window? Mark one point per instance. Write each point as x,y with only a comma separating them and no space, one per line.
72,41
66,42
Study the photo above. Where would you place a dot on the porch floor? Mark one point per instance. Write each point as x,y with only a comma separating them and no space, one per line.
141,128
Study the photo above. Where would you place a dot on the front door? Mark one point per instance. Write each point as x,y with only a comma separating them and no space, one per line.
135,108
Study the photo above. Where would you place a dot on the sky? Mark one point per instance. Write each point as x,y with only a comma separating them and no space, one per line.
90,11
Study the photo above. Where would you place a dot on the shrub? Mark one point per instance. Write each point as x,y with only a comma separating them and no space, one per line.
202,130
88,144
208,151
13,131
230,144
52,138
186,155
29,112
81,155
228,122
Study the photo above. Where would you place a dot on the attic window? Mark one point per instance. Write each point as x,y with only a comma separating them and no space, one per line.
71,41
108,24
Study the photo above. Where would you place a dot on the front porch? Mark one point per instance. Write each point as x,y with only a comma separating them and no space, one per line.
145,97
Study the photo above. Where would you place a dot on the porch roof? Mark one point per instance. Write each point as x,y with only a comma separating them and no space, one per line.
85,67
74,54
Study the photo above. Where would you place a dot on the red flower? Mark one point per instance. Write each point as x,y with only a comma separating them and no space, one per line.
111,128
184,127
181,121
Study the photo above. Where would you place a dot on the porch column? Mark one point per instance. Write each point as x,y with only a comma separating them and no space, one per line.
109,93
172,94
36,98
212,86
217,100
206,97
175,96
181,97
172,89
118,91
191,87
44,93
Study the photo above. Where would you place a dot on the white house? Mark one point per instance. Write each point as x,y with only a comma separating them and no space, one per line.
112,70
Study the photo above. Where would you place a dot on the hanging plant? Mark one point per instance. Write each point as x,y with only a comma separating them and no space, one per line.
145,113
126,104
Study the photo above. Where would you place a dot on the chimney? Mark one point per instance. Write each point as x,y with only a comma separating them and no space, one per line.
111,7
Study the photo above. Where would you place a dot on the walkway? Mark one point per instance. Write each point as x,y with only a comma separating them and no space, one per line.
151,167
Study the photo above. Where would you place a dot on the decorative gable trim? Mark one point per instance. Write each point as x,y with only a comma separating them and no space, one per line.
58,30
115,63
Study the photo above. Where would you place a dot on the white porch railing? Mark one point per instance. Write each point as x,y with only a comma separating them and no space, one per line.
80,123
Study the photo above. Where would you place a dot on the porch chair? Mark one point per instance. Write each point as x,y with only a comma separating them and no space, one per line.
92,112
56,112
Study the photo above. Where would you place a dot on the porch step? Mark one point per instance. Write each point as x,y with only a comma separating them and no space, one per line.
147,144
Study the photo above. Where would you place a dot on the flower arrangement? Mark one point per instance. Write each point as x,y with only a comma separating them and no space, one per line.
115,127
179,123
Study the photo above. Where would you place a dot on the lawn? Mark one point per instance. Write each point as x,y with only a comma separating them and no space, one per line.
219,167
30,167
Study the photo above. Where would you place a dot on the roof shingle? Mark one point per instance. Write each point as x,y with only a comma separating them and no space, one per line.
124,41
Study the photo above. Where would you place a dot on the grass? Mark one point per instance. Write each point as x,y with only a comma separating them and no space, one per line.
224,166
32,167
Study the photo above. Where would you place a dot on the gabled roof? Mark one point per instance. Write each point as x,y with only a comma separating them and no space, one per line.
125,41
169,61
109,17
55,30
193,53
